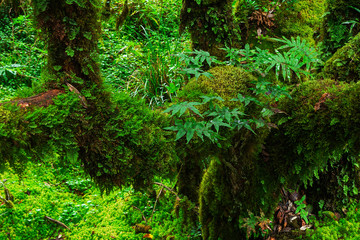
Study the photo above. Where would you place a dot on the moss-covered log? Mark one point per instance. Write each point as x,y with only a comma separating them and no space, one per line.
344,65
210,24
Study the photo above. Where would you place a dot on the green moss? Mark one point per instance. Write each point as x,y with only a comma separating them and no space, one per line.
336,34
216,204
210,24
302,18
317,143
227,82
344,65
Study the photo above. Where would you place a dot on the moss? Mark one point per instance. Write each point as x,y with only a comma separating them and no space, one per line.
227,82
344,65
318,140
302,18
230,184
336,34
210,24
216,204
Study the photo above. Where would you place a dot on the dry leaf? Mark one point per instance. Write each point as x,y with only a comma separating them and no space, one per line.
148,235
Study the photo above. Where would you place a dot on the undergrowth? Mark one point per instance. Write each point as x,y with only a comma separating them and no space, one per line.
60,191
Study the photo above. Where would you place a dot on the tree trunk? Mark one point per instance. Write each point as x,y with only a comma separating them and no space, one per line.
210,24
118,139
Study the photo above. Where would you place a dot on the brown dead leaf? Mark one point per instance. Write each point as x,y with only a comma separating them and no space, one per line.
148,235
323,98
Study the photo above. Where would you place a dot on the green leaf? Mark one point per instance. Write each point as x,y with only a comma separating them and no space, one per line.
57,67
190,134
180,134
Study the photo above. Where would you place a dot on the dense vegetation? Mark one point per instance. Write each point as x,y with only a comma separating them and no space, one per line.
193,119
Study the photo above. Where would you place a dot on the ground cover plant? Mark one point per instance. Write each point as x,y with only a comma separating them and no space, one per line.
195,119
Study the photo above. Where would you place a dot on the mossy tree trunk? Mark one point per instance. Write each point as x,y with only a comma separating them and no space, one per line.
84,121
231,187
210,24
71,32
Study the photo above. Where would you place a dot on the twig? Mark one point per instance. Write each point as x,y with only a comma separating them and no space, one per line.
157,198
141,213
57,222
160,184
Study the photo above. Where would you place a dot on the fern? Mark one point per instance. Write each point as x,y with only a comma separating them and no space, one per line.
300,58
302,50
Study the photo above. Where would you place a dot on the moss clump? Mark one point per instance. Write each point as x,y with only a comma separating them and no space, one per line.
303,19
336,34
210,24
227,82
344,65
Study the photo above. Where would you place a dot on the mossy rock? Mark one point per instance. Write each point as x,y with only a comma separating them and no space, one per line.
344,65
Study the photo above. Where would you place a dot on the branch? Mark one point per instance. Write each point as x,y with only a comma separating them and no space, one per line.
57,222
140,212
160,184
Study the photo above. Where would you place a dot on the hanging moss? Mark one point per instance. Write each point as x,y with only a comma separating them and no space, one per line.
301,18
344,65
210,24
216,204
336,34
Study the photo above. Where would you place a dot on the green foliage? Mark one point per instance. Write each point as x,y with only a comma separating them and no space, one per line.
261,20
253,227
301,59
344,64
195,61
301,208
336,32
145,16
157,78
21,52
332,229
